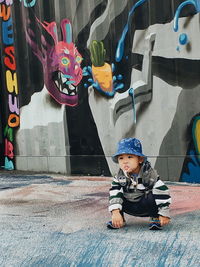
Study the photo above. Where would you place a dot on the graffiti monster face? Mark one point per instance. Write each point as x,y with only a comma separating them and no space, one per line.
65,73
60,61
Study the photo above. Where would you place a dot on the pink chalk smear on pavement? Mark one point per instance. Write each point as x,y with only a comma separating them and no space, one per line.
184,199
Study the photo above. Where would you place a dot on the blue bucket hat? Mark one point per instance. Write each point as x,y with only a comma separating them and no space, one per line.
128,146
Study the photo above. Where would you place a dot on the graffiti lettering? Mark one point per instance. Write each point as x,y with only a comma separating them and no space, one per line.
9,149
11,80
27,3
13,106
4,12
8,164
10,59
13,120
7,32
8,132
10,83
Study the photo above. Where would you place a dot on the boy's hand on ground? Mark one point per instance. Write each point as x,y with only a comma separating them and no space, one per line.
164,220
117,219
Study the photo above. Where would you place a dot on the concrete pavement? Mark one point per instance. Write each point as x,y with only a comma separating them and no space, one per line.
55,220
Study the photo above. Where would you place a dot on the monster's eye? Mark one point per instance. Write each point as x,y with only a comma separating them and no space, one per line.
78,59
65,61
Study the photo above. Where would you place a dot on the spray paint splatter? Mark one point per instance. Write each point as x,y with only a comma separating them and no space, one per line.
120,47
183,38
195,3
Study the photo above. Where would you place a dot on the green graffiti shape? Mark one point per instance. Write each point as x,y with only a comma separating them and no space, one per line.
97,53
8,132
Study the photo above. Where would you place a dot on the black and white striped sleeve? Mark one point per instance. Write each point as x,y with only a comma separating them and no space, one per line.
162,198
116,195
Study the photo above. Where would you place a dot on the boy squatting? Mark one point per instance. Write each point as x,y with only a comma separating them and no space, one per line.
137,189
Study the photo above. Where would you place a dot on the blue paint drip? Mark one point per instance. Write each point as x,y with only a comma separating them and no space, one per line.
195,3
131,93
120,46
183,39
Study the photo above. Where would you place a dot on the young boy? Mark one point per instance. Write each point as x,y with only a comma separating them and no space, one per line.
137,189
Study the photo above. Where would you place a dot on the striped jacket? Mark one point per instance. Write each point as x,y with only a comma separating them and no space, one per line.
134,187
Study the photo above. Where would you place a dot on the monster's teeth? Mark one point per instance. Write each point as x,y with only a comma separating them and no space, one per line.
60,87
64,79
56,82
72,93
59,76
65,91
71,86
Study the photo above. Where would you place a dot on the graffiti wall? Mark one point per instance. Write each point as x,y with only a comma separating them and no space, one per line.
9,111
81,75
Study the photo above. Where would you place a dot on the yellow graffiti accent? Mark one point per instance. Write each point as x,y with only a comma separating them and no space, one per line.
197,136
103,75
101,71
65,61
11,81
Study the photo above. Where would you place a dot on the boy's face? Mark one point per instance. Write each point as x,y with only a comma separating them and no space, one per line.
130,163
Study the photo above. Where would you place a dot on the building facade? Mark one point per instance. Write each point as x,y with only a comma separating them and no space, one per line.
78,76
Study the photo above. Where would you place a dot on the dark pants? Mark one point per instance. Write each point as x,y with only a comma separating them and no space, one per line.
145,207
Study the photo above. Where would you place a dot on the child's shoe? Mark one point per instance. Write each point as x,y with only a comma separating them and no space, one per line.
155,224
111,226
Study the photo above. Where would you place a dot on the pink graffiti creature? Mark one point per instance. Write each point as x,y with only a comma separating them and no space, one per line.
61,62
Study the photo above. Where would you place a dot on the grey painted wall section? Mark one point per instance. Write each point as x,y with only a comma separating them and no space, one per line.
42,139
162,123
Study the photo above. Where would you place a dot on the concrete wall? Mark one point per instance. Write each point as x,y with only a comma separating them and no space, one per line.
42,142
71,120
